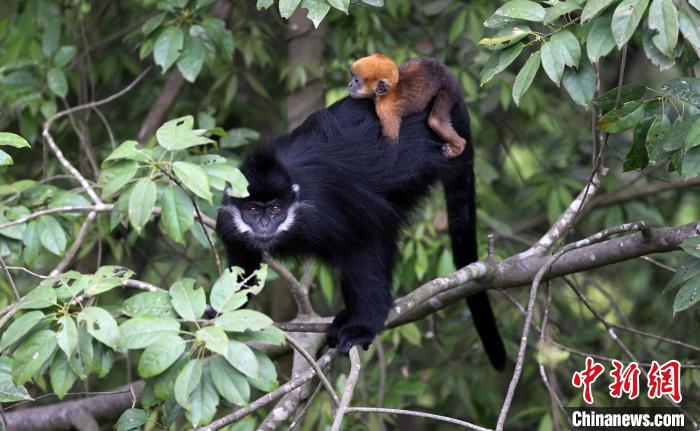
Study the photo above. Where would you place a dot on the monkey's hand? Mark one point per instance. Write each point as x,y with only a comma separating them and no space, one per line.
350,329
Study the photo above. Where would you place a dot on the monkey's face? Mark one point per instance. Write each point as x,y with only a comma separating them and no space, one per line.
262,222
359,89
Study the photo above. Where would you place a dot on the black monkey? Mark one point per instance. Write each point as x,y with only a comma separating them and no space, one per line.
334,190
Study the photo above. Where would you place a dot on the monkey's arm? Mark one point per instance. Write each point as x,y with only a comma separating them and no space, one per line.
242,256
366,278
391,120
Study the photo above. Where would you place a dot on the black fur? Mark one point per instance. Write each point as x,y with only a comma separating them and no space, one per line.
356,191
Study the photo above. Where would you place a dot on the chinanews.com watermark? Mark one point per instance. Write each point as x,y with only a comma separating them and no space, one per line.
628,381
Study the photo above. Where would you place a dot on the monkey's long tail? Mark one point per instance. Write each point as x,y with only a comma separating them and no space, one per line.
461,213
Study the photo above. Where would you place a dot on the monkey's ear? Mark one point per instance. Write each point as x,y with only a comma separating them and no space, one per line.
382,87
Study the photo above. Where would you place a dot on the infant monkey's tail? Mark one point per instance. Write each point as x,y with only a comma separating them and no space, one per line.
461,213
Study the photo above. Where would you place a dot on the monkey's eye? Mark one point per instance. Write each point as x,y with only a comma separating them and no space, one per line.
252,210
275,209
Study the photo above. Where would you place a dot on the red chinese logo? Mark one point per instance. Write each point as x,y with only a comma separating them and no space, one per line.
586,378
625,380
665,380
661,380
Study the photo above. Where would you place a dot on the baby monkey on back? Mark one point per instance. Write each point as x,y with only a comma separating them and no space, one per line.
405,90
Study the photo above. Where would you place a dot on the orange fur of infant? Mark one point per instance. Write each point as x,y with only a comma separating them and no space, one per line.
398,92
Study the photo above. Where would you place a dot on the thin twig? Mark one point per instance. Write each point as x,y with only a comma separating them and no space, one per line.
70,254
322,377
355,367
418,414
9,278
627,227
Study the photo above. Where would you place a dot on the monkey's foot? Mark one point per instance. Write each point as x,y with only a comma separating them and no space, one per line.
347,331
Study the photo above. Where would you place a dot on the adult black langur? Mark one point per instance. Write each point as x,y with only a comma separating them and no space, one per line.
334,190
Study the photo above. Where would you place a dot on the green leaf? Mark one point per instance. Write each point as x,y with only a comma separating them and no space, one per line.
194,178
593,8
676,136
559,9
129,150
242,320
317,10
689,23
506,37
287,7
149,304
628,93
267,375
637,157
178,134
658,58
688,269
270,335
177,213
214,339
239,137
231,384
31,355
692,246
568,46
656,136
525,77
61,375
141,203
663,19
688,295
264,4
152,24
39,297
552,61
518,10
32,244
187,301
101,325
51,235
140,332
67,336
686,89
64,55
6,159
9,392
57,82
13,140
623,118
626,18
192,58
117,176
131,419
600,40
160,355
498,62
692,139
242,358
220,174
21,326
204,400
51,36
168,46
187,381
225,294
691,163
580,84
375,3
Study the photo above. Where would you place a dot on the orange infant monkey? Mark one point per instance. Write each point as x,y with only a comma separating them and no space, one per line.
398,92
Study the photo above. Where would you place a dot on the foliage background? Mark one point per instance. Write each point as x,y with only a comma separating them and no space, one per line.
249,73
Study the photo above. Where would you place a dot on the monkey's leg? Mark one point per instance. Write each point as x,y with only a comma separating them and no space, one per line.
366,278
439,121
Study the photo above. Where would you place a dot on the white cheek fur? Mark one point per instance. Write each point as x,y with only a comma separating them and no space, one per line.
242,226
289,221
